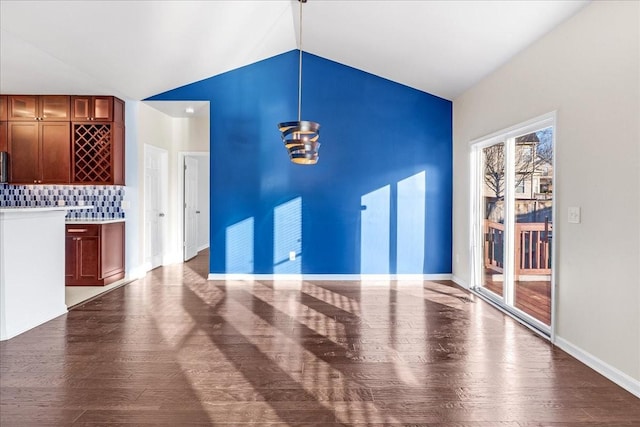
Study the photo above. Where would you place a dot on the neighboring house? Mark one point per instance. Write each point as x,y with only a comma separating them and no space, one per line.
533,179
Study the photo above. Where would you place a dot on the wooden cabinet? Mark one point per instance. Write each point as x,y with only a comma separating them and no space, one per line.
94,254
39,152
98,154
38,108
3,136
62,139
92,108
98,140
3,123
3,108
37,135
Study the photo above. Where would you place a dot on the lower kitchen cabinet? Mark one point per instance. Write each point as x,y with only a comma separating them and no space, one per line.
94,254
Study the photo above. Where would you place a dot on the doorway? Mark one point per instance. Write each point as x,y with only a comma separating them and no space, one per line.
513,220
193,218
156,167
190,204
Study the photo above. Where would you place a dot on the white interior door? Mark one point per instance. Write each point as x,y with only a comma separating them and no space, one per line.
155,167
190,207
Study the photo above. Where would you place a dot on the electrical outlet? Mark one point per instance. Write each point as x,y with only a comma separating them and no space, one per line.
292,256
574,215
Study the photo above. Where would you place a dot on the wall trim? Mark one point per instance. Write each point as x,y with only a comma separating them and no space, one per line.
625,381
137,272
459,281
329,277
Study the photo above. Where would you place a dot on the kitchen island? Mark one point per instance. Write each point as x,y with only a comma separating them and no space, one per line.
32,262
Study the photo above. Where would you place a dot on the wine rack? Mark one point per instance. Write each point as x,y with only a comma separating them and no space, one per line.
92,148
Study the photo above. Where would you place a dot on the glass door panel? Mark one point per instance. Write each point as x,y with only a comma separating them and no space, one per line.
493,215
533,230
513,233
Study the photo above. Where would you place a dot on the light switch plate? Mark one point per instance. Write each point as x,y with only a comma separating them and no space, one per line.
574,215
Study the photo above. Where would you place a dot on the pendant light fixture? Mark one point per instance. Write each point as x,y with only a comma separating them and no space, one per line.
301,137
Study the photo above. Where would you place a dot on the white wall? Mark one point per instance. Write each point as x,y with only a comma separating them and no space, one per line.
588,70
156,129
133,227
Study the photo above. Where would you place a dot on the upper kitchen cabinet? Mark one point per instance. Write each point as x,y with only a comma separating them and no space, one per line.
39,152
38,108
3,108
97,151
97,108
3,136
63,139
3,123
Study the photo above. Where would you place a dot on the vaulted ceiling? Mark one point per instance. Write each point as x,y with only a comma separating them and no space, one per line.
135,49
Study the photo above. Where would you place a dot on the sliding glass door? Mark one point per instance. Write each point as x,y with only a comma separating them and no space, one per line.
513,220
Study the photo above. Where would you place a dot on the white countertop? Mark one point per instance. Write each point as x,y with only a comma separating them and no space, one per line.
24,209
93,220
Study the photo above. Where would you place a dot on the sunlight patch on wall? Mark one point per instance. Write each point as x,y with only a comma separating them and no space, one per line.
287,237
239,247
410,227
375,231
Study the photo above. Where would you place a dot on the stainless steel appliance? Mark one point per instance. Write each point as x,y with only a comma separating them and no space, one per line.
4,166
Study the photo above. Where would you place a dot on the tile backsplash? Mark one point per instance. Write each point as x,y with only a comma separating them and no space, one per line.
106,200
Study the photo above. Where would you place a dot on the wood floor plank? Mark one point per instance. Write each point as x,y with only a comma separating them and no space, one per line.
175,349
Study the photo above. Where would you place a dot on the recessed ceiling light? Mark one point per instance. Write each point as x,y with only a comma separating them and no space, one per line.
189,110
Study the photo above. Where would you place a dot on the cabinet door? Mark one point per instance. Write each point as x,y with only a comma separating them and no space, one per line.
22,107
103,108
70,255
117,158
118,110
55,149
90,108
3,137
112,249
54,108
88,259
23,152
3,108
80,108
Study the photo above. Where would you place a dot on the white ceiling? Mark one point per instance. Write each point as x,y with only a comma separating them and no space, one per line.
136,49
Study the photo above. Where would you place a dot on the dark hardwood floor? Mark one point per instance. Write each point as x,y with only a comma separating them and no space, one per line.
174,349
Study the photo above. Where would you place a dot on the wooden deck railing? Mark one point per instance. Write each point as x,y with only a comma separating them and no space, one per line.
533,247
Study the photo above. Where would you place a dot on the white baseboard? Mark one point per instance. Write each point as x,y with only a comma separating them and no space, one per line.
628,383
137,272
460,282
203,247
331,277
15,327
172,258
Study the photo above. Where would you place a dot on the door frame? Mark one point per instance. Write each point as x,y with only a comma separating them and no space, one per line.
164,189
476,225
179,224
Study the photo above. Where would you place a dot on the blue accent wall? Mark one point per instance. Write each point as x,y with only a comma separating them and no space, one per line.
384,178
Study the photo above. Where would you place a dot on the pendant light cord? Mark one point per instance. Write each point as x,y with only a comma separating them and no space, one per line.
300,66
